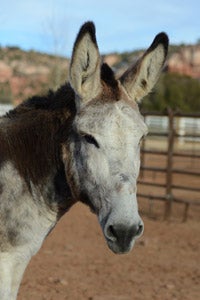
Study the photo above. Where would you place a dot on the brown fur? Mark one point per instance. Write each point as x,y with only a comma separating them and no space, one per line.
111,89
33,133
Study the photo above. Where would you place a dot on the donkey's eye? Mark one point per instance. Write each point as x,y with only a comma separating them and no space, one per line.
91,140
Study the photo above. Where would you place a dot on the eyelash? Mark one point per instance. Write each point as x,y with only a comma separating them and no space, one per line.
91,140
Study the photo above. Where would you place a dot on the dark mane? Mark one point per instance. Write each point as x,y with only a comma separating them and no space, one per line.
108,76
33,133
56,101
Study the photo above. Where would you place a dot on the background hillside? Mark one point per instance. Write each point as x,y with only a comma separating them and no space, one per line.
23,74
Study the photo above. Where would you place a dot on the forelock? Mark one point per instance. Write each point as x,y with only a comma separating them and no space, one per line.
110,84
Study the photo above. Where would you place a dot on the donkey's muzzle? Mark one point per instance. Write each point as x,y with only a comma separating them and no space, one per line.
121,238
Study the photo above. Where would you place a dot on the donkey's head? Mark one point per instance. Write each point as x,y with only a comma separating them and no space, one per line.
102,156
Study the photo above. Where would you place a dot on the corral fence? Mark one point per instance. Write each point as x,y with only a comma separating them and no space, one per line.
170,160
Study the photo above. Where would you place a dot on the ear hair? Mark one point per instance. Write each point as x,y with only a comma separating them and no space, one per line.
86,28
140,78
85,64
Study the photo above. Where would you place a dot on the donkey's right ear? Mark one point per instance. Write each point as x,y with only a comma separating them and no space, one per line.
84,73
139,79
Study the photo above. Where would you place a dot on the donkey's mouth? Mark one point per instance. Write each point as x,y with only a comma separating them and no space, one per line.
119,248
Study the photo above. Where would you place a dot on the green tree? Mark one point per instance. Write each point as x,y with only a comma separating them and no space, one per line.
178,92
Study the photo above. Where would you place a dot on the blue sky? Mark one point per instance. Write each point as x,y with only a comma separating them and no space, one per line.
51,25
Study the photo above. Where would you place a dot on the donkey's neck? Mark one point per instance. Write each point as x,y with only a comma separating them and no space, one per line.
31,138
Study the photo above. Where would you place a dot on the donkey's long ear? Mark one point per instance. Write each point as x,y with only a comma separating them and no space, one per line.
141,78
84,72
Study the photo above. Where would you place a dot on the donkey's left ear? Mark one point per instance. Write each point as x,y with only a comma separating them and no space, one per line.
84,73
141,78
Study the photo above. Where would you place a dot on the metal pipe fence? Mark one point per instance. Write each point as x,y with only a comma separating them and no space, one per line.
168,171
179,177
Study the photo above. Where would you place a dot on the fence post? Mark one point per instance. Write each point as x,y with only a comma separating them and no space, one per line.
171,135
185,215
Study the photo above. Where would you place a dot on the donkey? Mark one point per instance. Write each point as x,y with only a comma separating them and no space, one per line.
79,143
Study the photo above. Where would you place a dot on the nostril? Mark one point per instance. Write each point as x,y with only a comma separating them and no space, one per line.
139,230
111,233
123,234
118,232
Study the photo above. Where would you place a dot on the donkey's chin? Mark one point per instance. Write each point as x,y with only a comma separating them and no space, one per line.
118,248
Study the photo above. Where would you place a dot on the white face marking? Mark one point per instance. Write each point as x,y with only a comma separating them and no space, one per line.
110,171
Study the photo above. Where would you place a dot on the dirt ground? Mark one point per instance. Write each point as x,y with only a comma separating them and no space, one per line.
75,263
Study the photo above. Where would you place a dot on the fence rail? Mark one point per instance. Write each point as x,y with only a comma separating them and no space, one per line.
172,191
170,134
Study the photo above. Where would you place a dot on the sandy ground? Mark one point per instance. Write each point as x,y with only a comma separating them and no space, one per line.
75,262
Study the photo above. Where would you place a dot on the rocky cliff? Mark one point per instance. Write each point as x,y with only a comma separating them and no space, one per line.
23,74
186,61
